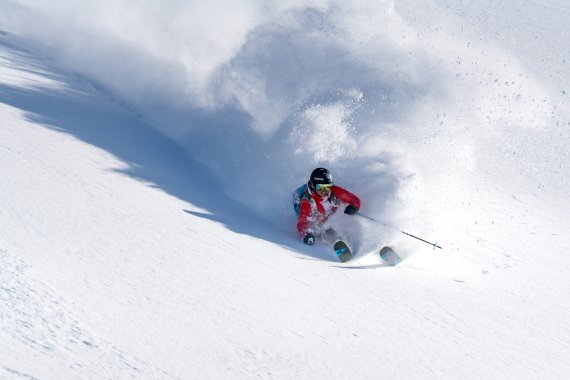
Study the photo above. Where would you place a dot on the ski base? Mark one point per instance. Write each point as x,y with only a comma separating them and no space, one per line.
342,251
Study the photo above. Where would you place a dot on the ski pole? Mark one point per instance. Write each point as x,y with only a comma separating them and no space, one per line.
434,245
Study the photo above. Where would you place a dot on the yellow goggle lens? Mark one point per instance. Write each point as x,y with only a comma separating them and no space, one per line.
326,187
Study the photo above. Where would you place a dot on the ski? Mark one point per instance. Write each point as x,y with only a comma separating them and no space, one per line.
389,256
342,251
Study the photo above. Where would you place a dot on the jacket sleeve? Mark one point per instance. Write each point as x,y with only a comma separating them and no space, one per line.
346,196
303,222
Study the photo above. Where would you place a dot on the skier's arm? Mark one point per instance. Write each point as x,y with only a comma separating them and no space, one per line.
303,223
346,196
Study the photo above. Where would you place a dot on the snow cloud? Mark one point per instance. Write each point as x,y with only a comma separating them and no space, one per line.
297,83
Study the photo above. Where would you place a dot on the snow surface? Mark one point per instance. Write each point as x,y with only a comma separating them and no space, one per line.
148,152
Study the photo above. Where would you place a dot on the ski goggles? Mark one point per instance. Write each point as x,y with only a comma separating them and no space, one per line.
324,187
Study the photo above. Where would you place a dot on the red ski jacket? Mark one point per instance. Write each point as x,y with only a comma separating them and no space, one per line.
314,210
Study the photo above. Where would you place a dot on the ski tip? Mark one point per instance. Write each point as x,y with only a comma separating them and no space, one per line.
344,257
342,251
389,256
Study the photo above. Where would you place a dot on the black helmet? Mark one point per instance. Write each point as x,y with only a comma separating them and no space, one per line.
320,176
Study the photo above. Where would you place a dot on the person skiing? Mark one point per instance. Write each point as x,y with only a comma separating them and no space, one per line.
316,201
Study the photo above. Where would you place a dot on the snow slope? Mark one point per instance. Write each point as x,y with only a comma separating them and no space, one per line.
146,231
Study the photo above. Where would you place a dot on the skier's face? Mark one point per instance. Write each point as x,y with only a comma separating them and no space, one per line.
323,190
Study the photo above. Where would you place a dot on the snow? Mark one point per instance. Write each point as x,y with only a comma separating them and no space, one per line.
149,152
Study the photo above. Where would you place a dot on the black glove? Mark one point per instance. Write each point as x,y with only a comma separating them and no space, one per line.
309,239
350,210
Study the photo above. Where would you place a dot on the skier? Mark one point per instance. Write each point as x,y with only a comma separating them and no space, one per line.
316,201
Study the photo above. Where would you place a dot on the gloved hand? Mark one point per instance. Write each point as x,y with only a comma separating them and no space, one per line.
350,210
309,239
